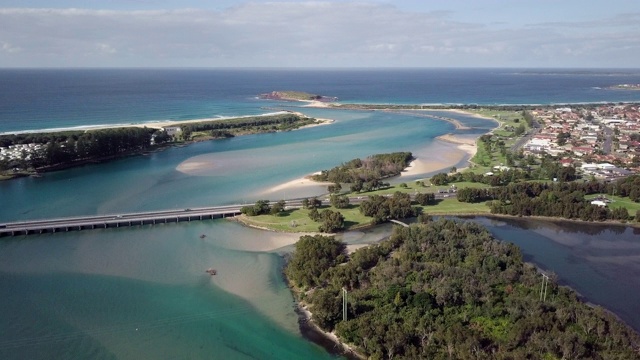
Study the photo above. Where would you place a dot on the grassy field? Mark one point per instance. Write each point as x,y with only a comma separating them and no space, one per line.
509,120
413,187
505,118
616,202
455,207
297,220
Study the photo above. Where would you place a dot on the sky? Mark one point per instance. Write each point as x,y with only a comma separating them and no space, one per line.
330,33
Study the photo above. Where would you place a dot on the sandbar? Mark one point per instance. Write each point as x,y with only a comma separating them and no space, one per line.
297,184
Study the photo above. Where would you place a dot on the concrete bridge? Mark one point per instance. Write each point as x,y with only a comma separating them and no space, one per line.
115,221
43,226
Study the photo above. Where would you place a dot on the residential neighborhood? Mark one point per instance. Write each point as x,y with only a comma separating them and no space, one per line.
601,140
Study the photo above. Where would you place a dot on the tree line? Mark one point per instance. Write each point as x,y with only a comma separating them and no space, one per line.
565,200
447,289
253,124
67,147
70,146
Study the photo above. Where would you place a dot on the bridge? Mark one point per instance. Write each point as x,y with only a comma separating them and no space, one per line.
43,226
115,221
399,223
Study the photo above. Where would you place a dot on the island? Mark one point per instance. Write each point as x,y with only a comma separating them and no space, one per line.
625,87
289,95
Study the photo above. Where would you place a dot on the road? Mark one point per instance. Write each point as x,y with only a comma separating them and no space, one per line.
145,218
608,139
535,128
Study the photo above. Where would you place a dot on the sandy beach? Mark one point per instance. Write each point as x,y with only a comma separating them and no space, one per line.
465,147
316,103
163,123
296,184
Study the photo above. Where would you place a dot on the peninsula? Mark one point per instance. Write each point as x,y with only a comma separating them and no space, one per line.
28,153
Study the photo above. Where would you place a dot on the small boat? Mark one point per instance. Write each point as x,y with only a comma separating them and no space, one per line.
211,271
203,236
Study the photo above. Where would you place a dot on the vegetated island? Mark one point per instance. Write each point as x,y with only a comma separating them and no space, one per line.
445,289
289,95
30,153
625,87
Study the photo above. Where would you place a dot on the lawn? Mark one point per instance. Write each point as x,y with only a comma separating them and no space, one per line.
506,118
297,220
455,207
617,201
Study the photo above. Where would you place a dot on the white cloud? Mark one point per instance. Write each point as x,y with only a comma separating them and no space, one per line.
303,34
8,48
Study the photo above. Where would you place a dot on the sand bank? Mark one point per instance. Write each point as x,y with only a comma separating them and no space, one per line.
195,167
465,144
296,184
445,160
316,103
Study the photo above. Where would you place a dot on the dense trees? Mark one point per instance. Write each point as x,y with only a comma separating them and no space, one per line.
382,208
340,201
312,257
449,290
373,168
67,147
246,125
566,200
261,207
70,146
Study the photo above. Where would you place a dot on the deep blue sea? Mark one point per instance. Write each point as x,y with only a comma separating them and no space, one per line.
36,99
142,292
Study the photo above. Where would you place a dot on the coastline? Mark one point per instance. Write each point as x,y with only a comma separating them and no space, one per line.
419,166
159,124
329,341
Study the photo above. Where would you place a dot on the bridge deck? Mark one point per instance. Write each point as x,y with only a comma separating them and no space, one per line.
115,221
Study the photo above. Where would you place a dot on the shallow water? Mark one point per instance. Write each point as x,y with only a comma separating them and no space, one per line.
142,292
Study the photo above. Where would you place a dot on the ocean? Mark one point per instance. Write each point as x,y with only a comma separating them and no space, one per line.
46,98
142,292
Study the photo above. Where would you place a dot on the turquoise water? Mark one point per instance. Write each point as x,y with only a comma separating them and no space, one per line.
142,292
232,171
84,294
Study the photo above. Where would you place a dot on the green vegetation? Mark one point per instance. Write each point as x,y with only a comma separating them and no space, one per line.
70,148
63,148
243,126
315,255
295,96
368,171
382,209
446,290
298,220
454,207
618,201
565,200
